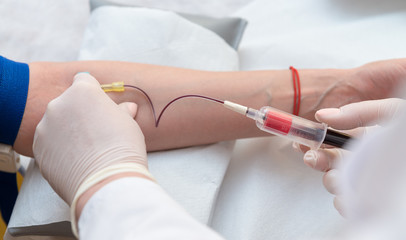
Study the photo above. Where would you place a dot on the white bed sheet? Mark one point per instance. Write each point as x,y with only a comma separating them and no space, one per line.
272,195
267,194
213,8
321,33
43,30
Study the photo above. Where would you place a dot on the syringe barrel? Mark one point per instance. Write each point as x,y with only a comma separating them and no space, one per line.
295,128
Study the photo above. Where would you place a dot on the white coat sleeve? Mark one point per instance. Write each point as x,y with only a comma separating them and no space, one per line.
136,208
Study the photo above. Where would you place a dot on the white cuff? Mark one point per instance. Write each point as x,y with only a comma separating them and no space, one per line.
136,208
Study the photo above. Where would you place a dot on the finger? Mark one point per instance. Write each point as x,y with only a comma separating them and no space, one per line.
37,136
81,90
360,114
331,181
84,77
357,132
299,147
323,159
303,149
339,205
129,107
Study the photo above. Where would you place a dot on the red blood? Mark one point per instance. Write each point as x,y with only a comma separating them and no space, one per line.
278,122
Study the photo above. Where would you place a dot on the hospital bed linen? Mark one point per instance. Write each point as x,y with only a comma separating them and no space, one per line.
45,30
212,8
273,195
267,192
154,37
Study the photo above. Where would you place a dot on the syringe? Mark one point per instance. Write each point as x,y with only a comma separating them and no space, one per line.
297,129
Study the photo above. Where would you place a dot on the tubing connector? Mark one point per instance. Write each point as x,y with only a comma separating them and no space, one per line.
236,107
113,87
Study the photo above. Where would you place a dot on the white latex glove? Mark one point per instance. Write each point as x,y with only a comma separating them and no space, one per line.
354,119
84,138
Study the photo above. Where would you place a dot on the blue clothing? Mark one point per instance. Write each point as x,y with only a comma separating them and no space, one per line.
8,195
14,80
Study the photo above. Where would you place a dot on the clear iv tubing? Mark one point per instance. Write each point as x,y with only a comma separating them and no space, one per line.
268,119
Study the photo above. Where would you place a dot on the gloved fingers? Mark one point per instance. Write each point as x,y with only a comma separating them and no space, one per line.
339,205
303,149
83,85
323,159
37,136
331,181
85,117
360,114
129,107
356,133
85,78
299,147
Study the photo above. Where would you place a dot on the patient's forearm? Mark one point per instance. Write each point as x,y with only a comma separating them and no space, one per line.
189,121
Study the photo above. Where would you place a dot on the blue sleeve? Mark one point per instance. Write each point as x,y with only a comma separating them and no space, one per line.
14,81
8,194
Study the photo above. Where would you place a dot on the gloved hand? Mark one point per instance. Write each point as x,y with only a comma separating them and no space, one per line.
84,138
354,118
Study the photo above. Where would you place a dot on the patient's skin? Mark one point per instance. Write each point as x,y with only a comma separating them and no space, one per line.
195,121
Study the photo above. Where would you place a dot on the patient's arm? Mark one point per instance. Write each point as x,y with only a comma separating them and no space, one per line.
196,121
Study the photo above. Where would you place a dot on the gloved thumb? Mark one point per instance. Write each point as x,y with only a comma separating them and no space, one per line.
360,114
129,107
85,77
